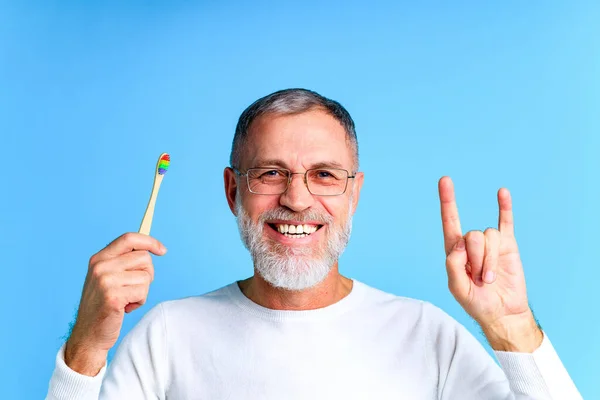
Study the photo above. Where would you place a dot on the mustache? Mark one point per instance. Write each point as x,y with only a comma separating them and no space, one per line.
305,216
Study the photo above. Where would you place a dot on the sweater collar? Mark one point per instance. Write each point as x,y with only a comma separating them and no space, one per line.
349,302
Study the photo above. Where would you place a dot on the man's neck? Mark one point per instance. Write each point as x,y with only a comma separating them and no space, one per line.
334,288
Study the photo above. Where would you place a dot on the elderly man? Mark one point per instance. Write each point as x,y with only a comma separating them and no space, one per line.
298,329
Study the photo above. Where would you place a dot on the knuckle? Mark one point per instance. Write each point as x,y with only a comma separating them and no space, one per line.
105,282
141,293
145,261
474,236
150,275
97,270
491,231
128,236
146,258
93,260
112,301
150,268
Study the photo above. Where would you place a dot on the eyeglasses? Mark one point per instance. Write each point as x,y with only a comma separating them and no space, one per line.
319,181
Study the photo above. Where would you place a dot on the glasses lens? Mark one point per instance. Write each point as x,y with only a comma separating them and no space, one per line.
327,181
267,180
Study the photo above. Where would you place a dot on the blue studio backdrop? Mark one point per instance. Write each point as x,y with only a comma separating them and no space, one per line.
493,94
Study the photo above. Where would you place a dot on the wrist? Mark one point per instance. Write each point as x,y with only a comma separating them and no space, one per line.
520,334
84,359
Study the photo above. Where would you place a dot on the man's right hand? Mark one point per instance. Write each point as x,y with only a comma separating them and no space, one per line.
117,282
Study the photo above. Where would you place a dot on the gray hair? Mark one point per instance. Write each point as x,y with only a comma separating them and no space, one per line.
291,101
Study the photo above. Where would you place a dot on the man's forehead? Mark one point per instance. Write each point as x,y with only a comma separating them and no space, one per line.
310,125
314,138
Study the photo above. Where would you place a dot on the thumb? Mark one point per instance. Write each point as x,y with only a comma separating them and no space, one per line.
456,264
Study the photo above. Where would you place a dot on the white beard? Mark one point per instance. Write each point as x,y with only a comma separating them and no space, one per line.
292,268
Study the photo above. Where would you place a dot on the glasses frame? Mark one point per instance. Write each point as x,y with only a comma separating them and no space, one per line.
289,180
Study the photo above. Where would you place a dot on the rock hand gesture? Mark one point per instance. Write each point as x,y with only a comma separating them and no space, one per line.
485,275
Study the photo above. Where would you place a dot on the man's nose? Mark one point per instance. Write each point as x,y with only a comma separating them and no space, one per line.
297,197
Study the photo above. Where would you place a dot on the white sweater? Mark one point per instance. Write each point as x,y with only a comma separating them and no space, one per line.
369,345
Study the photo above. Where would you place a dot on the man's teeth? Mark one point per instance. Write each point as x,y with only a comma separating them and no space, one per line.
296,230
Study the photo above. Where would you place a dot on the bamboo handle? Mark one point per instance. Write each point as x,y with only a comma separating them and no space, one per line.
147,220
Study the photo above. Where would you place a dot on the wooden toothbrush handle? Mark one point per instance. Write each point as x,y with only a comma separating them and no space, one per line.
147,220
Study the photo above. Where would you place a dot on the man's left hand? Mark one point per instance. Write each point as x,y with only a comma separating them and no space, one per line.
485,275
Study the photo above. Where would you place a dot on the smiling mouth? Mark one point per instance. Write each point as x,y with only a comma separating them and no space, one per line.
295,231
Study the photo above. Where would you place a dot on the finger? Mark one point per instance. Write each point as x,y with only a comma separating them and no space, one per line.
137,279
450,220
134,278
456,264
505,218
475,243
115,281
492,251
128,242
144,265
136,294
132,307
139,260
135,260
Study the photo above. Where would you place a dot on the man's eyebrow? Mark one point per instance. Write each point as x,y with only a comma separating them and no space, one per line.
269,162
282,164
327,164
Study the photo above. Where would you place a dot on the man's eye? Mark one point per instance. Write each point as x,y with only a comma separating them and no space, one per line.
324,174
273,173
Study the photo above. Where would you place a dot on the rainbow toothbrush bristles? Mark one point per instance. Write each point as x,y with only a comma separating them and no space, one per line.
161,168
163,164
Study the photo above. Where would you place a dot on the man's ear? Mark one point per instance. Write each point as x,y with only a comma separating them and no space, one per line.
358,182
230,182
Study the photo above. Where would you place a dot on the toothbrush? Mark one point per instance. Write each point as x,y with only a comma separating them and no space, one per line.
161,169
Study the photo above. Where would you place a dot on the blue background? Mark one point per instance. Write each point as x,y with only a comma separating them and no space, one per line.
502,94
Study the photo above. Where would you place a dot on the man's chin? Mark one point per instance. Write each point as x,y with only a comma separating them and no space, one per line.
297,284
293,272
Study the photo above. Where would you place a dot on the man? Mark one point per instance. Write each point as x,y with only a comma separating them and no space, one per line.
298,329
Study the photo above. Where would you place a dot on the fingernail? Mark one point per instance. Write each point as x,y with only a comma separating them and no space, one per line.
490,276
461,244
163,248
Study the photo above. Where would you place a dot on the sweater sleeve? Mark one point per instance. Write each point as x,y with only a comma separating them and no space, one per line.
66,384
467,371
542,367
137,370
